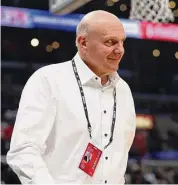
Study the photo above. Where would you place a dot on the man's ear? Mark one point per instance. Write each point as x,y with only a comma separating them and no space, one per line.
82,41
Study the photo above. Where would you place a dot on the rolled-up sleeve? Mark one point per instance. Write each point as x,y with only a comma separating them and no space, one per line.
34,122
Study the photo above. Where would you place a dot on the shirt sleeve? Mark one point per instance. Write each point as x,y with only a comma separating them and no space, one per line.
34,121
129,131
130,127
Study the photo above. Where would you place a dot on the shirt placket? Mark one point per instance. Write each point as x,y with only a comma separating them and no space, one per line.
106,121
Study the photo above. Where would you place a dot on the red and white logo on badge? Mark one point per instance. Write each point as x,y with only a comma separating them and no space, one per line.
90,159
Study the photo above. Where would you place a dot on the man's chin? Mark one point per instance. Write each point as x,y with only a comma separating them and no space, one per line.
114,68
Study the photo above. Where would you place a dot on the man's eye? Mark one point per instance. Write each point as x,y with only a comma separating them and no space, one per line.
109,42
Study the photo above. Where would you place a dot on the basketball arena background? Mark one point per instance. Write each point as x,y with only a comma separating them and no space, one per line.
33,37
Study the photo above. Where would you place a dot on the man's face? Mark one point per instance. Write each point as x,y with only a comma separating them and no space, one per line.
104,48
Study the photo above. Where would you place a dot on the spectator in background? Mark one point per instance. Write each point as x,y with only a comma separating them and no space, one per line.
176,176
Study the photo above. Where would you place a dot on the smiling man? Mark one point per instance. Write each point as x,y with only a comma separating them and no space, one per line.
100,39
76,109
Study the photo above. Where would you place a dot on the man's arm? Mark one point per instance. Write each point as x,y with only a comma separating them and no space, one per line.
130,127
34,121
129,130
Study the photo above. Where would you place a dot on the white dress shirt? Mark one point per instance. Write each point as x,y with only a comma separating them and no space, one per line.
50,133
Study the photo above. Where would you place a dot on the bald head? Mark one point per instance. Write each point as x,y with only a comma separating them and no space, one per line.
100,38
94,18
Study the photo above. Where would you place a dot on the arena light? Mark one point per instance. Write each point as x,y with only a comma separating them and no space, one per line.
109,3
115,1
144,121
172,4
175,12
49,48
123,7
156,53
55,45
176,55
34,42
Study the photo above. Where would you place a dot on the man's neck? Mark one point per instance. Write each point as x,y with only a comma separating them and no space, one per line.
104,79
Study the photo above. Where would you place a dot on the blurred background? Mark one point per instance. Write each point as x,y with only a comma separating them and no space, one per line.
35,34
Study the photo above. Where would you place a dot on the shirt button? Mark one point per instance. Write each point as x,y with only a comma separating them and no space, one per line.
105,135
105,181
106,158
105,111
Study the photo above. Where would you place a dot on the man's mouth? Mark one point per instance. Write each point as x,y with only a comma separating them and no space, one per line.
115,58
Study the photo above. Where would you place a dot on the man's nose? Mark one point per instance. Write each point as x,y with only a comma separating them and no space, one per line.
119,49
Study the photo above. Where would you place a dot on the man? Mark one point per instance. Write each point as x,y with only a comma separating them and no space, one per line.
75,107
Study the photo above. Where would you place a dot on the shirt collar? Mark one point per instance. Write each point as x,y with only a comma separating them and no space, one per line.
84,71
86,74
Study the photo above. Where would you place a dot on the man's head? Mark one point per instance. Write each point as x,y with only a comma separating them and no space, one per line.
100,37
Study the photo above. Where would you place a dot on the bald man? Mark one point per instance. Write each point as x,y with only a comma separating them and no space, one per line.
76,120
